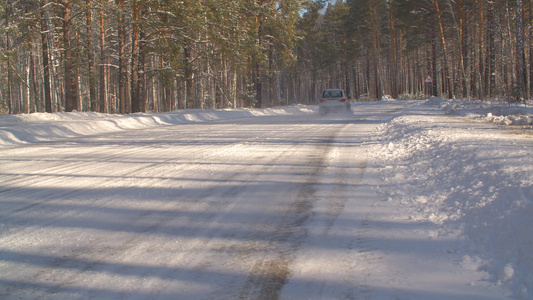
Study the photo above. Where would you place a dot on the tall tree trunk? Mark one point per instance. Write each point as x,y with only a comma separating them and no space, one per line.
37,105
530,10
434,85
258,85
376,51
481,62
189,86
8,50
45,56
258,69
103,79
27,94
447,82
394,52
90,56
234,88
142,78
356,91
135,87
490,64
270,88
69,62
123,62
463,51
520,52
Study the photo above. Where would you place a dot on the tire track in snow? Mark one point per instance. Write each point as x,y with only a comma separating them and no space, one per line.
268,276
338,195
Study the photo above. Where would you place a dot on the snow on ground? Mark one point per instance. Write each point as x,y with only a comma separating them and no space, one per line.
444,169
43,127
498,112
472,180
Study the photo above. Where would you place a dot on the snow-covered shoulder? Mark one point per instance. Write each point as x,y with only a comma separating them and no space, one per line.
496,112
44,127
473,180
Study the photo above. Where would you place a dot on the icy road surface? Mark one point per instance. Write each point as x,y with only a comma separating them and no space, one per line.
265,207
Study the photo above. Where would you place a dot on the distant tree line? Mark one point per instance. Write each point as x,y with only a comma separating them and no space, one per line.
127,56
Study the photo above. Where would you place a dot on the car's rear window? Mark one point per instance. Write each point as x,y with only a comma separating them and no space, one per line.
332,94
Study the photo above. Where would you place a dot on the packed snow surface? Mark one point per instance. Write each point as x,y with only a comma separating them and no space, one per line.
401,200
39,127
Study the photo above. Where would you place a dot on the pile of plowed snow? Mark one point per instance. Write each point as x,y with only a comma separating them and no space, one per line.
471,179
499,113
44,127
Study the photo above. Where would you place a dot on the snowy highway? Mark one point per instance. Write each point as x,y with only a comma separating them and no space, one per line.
218,209
264,207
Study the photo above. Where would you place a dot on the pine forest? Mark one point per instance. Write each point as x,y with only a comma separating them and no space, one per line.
129,56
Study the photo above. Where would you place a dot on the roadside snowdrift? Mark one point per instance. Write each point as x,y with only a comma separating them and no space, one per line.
499,113
471,179
43,127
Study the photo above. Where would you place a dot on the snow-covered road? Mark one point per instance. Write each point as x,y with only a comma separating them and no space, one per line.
265,207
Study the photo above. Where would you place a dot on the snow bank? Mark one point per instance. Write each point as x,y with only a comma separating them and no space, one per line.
474,182
387,98
499,113
43,127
